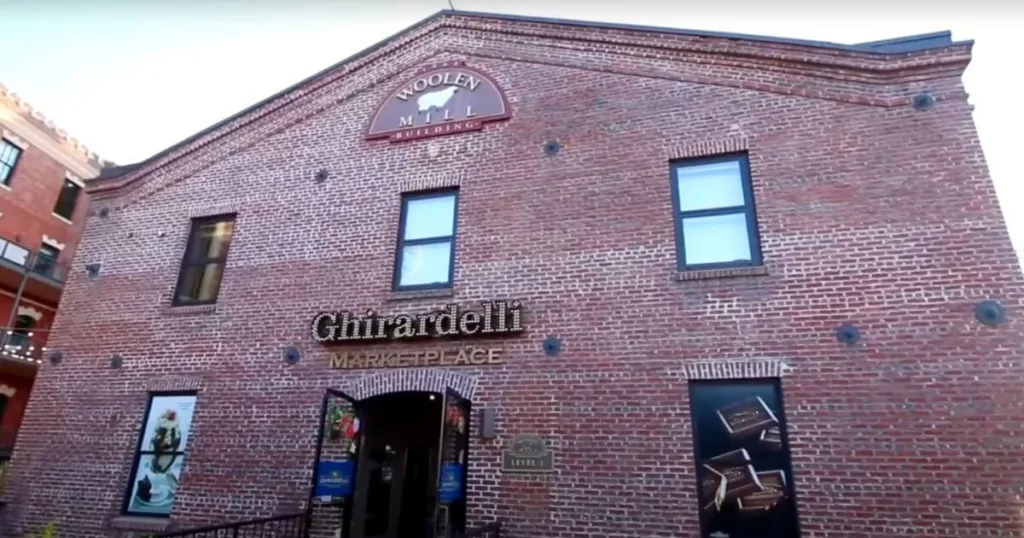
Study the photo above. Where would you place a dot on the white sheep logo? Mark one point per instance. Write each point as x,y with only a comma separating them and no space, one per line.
436,99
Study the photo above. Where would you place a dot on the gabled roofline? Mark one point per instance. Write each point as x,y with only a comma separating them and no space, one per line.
119,171
900,45
913,43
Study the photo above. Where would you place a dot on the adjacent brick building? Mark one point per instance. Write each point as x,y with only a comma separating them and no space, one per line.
42,213
666,225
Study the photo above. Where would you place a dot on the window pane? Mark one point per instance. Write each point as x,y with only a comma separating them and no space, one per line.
168,424
67,200
155,484
200,283
211,240
16,254
429,217
9,154
425,264
717,239
709,186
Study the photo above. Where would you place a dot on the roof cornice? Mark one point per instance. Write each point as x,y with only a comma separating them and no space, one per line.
880,62
29,122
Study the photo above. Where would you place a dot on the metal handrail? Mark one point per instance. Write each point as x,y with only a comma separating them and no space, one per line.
286,526
37,262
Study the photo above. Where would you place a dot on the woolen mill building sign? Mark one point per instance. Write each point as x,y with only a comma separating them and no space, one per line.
445,99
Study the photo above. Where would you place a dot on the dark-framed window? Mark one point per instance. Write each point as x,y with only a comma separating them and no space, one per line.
67,199
426,240
9,157
741,449
202,266
713,207
46,261
160,454
21,332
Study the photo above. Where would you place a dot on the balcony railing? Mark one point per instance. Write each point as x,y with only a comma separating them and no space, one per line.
37,263
28,346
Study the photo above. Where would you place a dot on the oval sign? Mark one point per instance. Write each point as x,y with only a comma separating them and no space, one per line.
446,99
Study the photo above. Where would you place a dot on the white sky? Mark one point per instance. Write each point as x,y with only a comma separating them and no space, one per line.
129,78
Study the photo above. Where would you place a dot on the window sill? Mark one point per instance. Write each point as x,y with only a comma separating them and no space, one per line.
190,310
412,295
140,523
712,274
5,186
65,220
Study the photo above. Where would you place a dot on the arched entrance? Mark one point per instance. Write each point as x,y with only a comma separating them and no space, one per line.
392,456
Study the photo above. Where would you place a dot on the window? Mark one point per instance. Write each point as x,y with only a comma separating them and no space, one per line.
46,261
68,199
426,241
9,155
21,332
714,213
741,448
202,267
160,456
13,253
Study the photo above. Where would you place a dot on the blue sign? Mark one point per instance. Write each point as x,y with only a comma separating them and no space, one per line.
334,478
451,483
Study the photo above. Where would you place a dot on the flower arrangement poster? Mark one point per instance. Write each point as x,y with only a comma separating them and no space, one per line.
162,458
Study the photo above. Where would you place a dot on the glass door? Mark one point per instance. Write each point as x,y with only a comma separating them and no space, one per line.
450,511
334,476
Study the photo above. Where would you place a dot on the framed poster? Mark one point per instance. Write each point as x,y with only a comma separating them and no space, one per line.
744,475
160,457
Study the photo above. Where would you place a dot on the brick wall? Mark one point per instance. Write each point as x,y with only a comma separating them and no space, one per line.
870,213
20,388
26,208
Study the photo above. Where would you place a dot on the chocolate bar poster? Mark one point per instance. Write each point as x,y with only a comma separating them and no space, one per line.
744,473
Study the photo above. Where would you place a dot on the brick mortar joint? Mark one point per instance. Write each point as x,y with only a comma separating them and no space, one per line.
406,379
686,275
174,384
708,148
202,210
736,368
439,180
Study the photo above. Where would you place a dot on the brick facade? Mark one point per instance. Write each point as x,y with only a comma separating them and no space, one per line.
869,212
46,156
27,206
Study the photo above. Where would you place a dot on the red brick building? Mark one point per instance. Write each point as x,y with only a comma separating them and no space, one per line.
585,279
42,212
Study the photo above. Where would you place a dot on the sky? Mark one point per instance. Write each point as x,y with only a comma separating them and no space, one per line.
131,77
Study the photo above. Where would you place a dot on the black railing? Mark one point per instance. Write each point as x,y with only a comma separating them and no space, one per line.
490,530
288,526
23,345
39,263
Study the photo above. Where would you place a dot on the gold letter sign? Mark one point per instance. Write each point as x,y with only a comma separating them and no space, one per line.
495,318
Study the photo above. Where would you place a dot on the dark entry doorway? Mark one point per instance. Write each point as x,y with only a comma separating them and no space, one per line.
396,486
395,464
